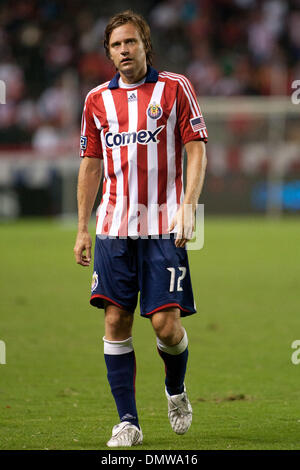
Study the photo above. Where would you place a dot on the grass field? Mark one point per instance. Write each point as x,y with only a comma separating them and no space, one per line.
242,383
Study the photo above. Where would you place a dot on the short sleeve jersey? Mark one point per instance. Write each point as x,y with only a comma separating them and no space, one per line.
139,132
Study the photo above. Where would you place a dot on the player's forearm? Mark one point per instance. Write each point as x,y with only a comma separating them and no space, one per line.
195,172
88,185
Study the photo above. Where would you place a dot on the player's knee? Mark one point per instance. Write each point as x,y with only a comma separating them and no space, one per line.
167,328
118,321
167,337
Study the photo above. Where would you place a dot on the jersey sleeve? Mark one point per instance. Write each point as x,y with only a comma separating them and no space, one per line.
90,142
190,120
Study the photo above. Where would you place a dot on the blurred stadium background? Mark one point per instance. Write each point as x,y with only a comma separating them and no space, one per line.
242,57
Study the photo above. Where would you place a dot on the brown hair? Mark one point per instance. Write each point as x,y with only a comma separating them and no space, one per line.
141,25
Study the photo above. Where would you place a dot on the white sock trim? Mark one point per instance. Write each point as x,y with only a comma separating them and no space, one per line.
118,347
174,350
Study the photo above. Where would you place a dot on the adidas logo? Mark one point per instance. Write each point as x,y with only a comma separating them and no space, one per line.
127,417
132,97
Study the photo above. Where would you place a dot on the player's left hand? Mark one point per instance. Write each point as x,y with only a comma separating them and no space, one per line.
184,220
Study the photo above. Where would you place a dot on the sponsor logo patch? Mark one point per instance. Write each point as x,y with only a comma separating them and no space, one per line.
83,142
154,111
120,139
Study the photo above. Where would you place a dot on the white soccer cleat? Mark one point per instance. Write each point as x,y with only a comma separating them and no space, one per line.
180,412
125,434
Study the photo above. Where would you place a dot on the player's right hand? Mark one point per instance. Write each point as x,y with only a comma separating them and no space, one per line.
83,249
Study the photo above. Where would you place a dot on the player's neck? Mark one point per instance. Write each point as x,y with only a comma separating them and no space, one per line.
134,76
130,85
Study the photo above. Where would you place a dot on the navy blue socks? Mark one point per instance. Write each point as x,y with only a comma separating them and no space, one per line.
121,368
175,359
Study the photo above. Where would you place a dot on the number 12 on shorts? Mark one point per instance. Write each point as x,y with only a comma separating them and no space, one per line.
182,269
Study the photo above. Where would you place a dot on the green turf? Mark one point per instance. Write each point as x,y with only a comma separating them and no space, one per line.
242,384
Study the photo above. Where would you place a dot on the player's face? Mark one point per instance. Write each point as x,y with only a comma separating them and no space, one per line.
127,53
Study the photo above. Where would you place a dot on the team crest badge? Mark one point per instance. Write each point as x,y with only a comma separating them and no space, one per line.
154,111
94,281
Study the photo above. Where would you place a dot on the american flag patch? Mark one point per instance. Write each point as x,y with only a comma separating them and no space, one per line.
197,123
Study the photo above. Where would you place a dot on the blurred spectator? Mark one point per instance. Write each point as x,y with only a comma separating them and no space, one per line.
294,34
51,55
13,77
165,15
46,137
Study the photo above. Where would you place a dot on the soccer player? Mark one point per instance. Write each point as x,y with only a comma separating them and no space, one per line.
137,125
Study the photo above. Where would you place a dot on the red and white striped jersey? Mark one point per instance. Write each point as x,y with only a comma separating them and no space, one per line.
139,130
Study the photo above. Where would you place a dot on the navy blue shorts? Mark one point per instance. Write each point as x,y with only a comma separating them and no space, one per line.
156,268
